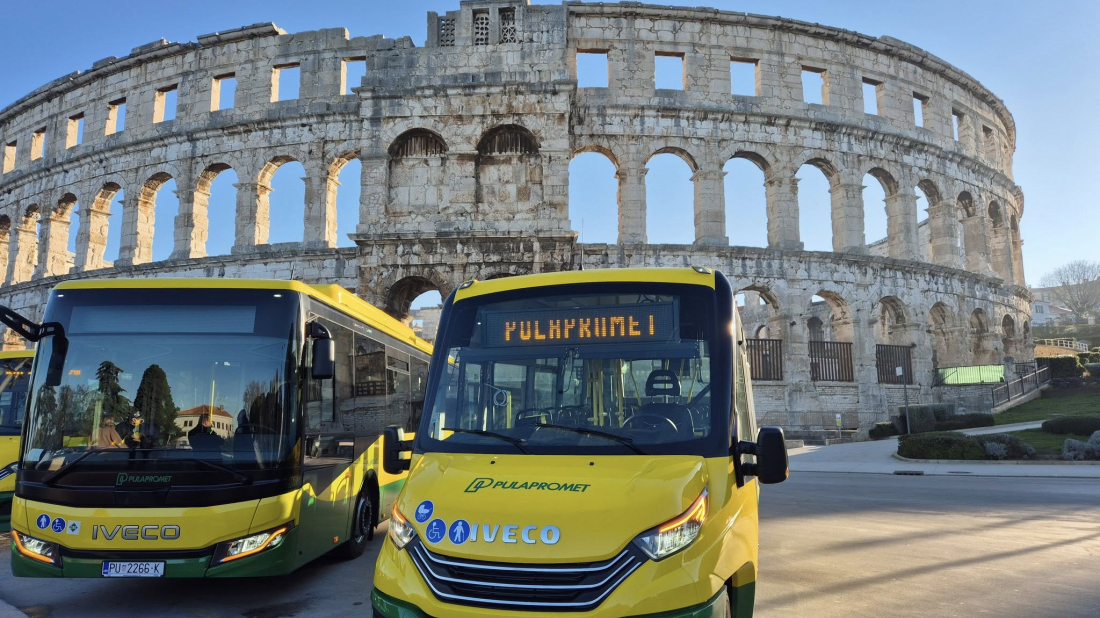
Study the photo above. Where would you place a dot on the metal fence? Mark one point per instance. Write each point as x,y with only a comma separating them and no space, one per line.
831,361
1073,344
975,374
1026,367
888,358
765,359
1020,387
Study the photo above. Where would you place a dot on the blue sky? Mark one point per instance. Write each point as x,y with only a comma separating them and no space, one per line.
1041,61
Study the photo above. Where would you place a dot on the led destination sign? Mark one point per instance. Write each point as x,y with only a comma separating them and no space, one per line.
646,322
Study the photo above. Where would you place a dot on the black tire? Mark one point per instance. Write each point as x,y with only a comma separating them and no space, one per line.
362,527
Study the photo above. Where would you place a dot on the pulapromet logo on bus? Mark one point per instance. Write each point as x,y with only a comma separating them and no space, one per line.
487,483
142,479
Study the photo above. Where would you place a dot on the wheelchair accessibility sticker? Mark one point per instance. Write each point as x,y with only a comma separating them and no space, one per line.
436,531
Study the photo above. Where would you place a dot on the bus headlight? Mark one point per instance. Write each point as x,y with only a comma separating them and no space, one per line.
401,531
249,545
37,549
675,534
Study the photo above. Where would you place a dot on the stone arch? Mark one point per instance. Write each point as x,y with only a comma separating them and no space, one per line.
835,315
139,219
23,245
815,329
981,349
886,179
996,218
673,199
1014,224
965,203
54,257
745,199
596,214
339,225
893,316
599,149
763,332
817,221
404,291
973,244
1009,336
679,151
941,323
931,192
222,226
508,172
96,228
261,217
761,308
417,183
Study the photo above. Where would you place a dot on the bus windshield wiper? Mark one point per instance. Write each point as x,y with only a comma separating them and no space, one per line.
63,470
245,479
596,432
516,442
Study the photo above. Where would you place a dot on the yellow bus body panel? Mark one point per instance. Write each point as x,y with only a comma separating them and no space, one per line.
689,276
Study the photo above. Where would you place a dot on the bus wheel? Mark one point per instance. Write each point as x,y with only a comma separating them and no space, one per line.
362,528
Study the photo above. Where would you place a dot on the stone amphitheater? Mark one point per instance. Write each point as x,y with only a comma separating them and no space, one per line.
465,146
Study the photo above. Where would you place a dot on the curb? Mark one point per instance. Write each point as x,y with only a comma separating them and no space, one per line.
8,611
1011,462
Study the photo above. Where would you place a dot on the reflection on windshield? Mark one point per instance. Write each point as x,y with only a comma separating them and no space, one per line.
221,395
566,393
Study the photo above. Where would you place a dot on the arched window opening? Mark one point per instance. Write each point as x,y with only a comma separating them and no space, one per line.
670,200
221,208
1014,224
829,331
424,311
418,143
418,186
967,244
746,203
287,203
981,349
410,291
594,198
508,140
940,324
164,223
815,208
71,208
892,317
995,216
763,327
878,185
104,233
927,197
1008,333
347,201
815,329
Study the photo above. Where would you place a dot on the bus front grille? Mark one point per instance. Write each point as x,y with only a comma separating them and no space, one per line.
531,587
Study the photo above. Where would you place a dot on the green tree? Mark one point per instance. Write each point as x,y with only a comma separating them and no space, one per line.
111,392
154,399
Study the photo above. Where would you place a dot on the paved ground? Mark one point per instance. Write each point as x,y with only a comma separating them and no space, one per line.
831,545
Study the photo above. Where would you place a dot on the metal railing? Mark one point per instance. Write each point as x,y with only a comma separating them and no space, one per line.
887,360
1018,388
974,374
831,361
1073,344
765,359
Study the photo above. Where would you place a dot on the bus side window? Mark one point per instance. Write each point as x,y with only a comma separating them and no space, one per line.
741,395
419,376
320,400
343,389
398,392
371,410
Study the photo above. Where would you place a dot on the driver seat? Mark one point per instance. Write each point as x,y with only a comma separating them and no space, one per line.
665,383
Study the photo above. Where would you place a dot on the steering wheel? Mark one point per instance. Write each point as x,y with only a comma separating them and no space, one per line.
649,422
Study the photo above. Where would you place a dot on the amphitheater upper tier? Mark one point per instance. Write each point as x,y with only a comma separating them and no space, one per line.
465,145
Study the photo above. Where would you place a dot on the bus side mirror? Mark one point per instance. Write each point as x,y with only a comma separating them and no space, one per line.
324,359
770,450
56,368
393,445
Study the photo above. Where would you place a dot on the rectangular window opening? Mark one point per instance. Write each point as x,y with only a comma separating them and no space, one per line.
287,80
9,157
872,89
989,142
956,124
164,105
813,85
481,28
668,71
223,92
352,72
508,30
74,131
38,144
116,117
919,101
745,77
592,69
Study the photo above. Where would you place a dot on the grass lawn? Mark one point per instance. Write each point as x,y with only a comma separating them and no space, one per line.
1046,443
1050,407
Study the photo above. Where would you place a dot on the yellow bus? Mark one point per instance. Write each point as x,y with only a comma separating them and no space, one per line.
15,373
207,427
588,447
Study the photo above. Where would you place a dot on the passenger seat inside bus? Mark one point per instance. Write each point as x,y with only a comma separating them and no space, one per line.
665,383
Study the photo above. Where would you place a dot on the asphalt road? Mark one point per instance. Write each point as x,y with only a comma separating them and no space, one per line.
831,545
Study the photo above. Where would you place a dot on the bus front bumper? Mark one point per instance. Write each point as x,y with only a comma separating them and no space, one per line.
386,606
275,561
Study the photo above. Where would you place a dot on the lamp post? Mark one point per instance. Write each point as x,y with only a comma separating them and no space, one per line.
900,372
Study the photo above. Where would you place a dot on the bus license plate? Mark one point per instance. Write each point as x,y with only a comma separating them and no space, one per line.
133,569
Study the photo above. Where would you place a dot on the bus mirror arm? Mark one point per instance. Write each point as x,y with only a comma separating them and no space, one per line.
393,445
770,450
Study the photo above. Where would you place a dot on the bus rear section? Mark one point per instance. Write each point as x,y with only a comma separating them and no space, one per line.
203,429
588,447
15,373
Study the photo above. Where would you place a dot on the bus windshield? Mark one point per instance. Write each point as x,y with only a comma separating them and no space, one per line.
610,373
15,374
204,375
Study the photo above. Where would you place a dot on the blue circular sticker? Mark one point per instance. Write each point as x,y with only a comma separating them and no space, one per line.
424,511
43,521
58,525
436,531
460,531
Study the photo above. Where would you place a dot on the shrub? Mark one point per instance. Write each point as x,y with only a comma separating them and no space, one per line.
1005,446
965,421
1077,450
1093,369
1080,425
1066,367
940,445
883,430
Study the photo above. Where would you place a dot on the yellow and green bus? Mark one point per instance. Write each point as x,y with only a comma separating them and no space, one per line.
207,427
588,447
15,374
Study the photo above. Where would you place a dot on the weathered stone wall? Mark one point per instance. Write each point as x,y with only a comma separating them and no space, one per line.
465,146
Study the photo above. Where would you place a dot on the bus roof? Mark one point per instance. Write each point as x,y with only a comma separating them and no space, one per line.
6,354
693,275
334,295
